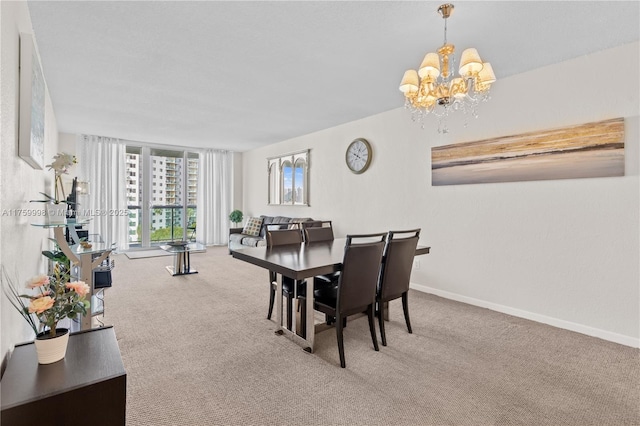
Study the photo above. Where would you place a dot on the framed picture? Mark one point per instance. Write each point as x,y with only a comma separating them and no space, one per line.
581,151
32,92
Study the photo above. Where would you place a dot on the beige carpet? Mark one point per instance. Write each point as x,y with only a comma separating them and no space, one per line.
199,350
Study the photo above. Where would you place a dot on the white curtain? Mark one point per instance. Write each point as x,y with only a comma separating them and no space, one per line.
101,162
214,197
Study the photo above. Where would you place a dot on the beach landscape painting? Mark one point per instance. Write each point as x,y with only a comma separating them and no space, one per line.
581,151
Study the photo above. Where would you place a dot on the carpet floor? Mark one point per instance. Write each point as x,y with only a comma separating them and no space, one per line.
199,350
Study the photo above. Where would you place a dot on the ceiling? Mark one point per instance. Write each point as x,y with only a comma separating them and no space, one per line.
237,75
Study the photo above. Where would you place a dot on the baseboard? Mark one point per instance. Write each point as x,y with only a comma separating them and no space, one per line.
555,322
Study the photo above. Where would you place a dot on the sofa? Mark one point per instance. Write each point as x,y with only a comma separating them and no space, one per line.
243,237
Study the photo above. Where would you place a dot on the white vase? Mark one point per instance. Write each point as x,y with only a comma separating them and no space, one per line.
56,213
51,349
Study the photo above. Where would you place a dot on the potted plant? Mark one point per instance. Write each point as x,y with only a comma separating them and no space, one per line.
236,217
51,299
56,207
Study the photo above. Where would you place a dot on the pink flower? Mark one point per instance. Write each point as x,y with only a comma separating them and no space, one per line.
40,305
79,287
38,281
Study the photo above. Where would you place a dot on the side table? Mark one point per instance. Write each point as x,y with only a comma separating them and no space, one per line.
182,259
88,386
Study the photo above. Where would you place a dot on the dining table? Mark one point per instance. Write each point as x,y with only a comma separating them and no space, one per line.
300,262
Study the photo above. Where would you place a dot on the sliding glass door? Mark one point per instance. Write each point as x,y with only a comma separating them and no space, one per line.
162,188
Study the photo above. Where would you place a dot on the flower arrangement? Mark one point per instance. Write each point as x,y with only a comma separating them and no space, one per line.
60,165
55,298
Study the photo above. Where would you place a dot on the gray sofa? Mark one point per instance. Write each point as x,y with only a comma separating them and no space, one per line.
238,240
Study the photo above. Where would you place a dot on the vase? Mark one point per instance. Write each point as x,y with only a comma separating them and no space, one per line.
56,213
51,349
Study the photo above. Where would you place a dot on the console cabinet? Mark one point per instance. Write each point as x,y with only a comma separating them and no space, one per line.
87,387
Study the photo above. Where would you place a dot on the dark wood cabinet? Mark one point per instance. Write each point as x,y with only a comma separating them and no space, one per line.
87,387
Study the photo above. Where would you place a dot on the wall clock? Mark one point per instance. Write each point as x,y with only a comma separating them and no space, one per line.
358,155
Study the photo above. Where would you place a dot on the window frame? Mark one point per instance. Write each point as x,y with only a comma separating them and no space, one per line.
276,176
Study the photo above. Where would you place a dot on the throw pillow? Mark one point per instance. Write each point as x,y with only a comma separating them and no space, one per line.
253,226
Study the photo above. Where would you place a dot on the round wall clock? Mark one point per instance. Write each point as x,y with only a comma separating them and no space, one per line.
358,156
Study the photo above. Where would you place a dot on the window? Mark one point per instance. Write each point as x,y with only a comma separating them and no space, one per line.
162,200
289,179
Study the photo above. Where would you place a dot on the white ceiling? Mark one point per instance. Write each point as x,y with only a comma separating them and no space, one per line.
238,75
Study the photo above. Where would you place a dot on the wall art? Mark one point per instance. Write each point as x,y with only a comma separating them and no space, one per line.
32,94
581,151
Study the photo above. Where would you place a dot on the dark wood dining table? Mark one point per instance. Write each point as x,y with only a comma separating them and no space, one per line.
299,262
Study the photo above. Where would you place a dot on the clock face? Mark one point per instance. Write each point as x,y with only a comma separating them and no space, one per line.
358,156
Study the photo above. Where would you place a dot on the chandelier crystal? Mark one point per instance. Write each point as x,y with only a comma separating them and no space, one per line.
433,89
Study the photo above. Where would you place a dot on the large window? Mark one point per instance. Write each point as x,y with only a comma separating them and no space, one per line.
289,179
161,192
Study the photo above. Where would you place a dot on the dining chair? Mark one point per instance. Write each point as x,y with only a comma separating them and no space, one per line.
279,237
395,274
317,230
356,290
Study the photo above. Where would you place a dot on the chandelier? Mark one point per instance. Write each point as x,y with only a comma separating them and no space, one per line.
433,89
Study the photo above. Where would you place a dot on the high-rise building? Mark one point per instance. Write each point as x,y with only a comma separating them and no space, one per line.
166,191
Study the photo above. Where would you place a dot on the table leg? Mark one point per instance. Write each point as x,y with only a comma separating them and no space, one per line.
307,342
310,331
279,303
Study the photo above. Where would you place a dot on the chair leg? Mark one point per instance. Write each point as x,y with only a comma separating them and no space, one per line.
340,340
289,311
405,308
272,298
383,336
372,327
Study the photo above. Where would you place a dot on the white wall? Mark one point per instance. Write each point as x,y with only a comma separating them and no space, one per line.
20,243
564,252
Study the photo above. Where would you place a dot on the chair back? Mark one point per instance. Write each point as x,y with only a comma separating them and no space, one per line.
280,237
360,270
319,230
396,263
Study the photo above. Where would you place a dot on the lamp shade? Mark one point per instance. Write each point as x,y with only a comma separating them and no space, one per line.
82,188
430,66
486,74
470,63
410,82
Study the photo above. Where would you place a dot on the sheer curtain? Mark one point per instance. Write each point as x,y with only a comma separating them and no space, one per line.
101,162
214,197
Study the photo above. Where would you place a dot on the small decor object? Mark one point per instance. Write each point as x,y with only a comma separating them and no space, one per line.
32,96
235,217
56,207
434,89
253,226
51,349
582,151
55,298
359,155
